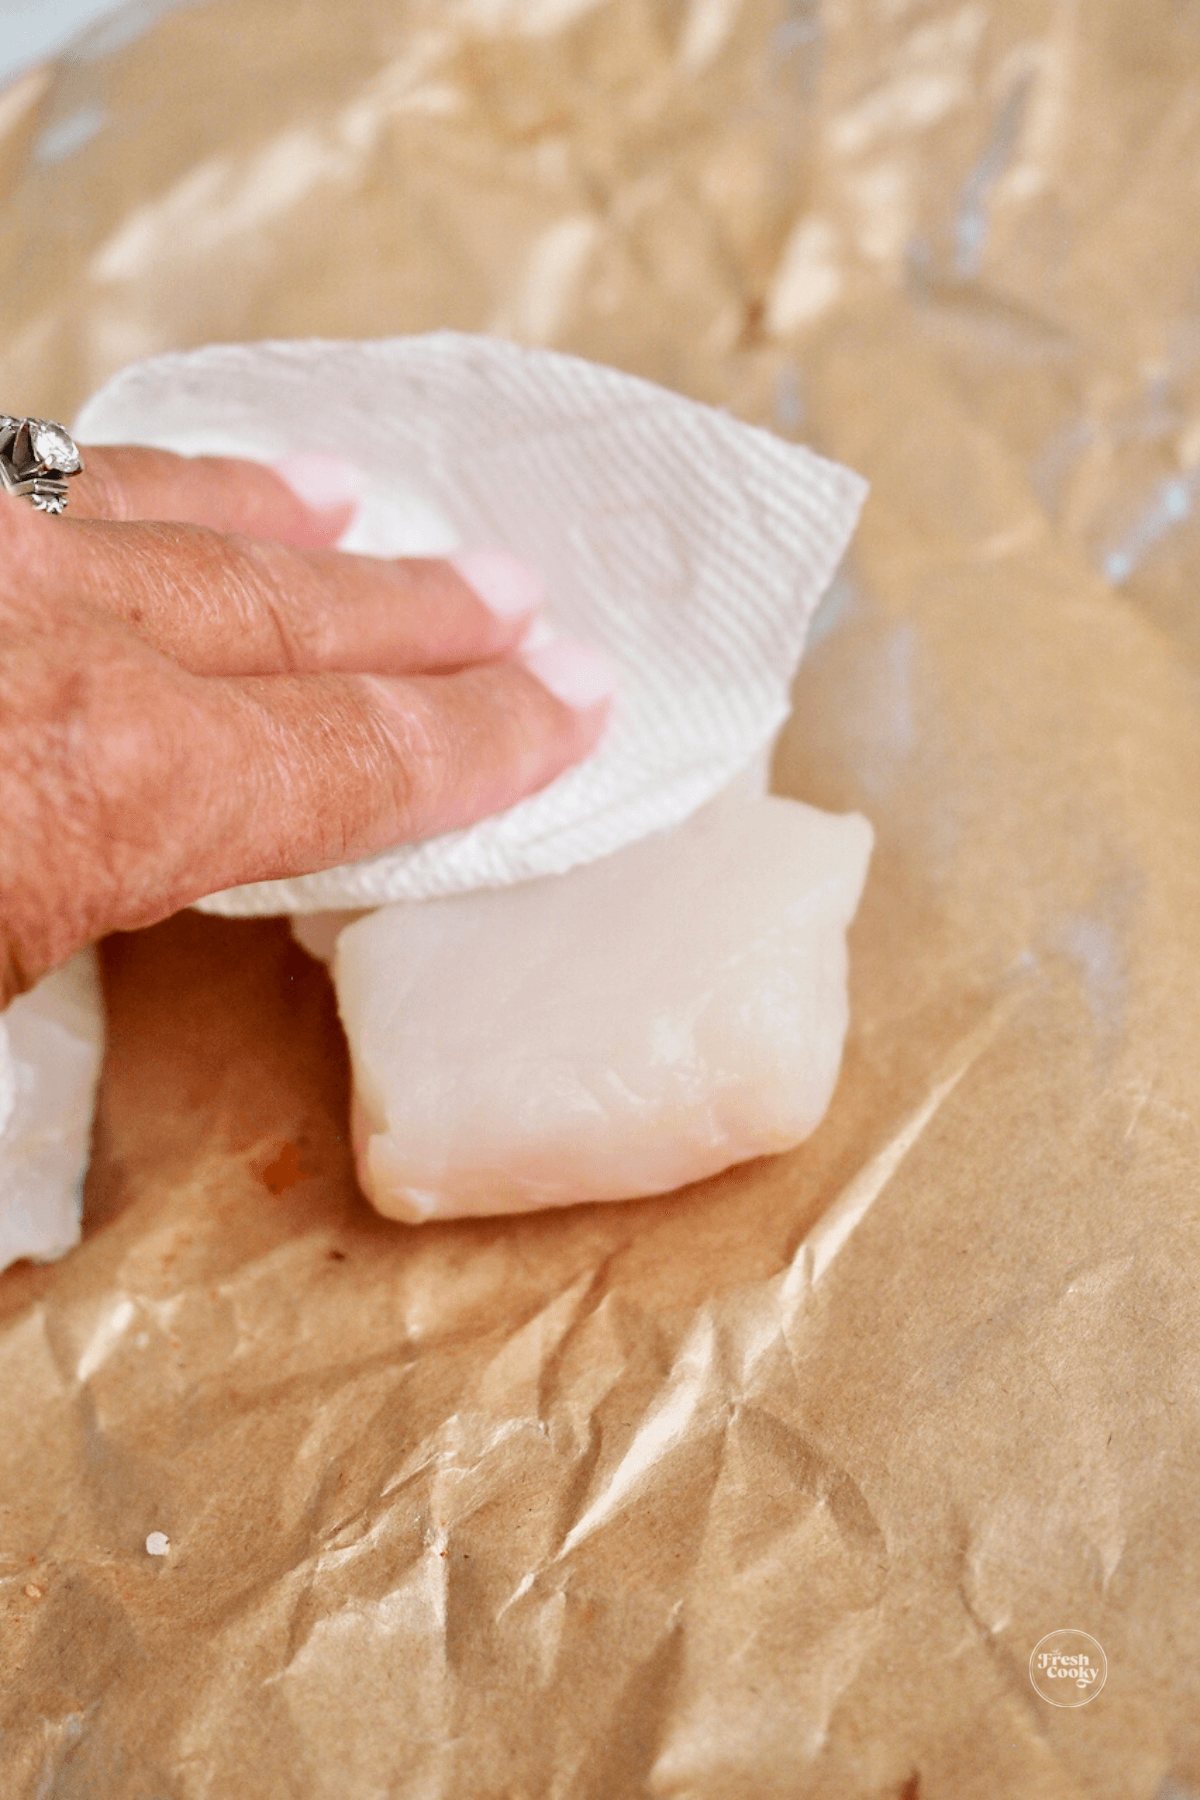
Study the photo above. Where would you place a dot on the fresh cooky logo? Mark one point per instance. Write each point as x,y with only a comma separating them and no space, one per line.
1068,1668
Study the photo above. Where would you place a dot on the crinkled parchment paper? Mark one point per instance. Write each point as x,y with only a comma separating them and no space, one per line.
768,1488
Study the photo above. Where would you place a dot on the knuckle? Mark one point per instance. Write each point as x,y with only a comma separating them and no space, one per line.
285,593
62,871
113,756
423,758
104,785
133,743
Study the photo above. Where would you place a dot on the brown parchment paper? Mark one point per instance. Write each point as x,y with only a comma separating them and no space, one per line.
768,1488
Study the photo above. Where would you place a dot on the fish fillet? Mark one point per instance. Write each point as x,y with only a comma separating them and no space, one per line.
51,1045
641,1022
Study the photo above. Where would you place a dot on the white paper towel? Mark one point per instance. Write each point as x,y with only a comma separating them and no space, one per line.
51,1044
692,547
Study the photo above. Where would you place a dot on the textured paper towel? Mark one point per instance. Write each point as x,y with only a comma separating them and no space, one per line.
692,547
51,1043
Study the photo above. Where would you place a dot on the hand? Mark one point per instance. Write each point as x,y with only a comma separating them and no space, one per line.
188,706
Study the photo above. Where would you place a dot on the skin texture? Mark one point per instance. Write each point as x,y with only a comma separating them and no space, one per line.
222,698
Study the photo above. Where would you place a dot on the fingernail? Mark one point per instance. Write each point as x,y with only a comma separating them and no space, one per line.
321,481
506,585
577,674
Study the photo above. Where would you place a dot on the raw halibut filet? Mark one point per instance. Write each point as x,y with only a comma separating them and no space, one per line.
51,1046
641,1022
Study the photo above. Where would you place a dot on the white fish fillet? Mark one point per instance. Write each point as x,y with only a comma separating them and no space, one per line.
639,1023
51,1045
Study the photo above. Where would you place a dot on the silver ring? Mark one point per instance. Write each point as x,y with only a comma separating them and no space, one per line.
36,458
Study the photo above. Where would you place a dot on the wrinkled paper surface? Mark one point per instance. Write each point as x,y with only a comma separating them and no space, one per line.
770,1487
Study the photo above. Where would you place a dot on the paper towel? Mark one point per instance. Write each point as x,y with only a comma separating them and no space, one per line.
51,1044
692,547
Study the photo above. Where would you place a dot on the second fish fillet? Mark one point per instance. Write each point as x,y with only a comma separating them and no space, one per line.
639,1023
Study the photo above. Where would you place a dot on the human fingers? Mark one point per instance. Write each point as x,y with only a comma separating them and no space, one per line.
137,788
348,766
308,499
236,605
